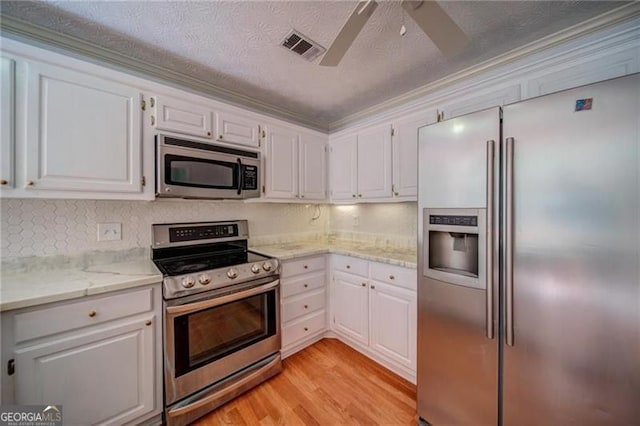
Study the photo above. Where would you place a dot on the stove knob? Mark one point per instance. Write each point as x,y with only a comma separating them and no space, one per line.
266,266
255,268
232,273
204,279
188,282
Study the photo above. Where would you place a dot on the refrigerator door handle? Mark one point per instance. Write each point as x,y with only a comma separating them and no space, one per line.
509,242
489,239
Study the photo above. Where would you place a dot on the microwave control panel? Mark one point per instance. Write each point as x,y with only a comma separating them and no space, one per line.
250,177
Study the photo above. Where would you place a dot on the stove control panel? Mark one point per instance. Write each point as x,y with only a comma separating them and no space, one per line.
181,285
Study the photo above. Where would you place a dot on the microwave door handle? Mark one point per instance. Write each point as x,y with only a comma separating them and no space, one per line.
240,177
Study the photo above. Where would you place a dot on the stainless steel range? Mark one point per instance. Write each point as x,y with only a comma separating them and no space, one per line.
221,315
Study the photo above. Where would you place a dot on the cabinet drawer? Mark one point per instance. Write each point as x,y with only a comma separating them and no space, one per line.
397,275
308,264
351,265
301,305
44,322
302,328
292,286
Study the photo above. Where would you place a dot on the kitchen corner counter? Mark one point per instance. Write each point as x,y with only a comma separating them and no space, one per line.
400,256
21,289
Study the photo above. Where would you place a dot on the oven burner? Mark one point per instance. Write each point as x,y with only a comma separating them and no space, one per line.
185,268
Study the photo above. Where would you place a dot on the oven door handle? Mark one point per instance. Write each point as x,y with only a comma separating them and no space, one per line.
209,303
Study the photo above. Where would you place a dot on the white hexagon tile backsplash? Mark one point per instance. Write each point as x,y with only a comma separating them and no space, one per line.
66,227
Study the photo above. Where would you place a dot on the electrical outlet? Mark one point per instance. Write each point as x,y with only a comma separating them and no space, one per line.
109,231
356,220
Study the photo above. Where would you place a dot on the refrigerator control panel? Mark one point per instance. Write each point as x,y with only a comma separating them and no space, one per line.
453,220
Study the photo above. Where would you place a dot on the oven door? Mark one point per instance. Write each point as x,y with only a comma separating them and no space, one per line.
208,338
215,172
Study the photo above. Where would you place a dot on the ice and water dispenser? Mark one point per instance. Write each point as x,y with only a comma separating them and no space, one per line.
454,246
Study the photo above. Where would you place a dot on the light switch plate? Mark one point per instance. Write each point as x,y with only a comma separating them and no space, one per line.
109,231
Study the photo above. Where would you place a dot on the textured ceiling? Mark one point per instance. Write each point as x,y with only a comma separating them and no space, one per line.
235,44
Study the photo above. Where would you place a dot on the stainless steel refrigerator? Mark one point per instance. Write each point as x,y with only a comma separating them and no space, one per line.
529,262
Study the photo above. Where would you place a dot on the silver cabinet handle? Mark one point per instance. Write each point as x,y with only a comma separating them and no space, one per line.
489,237
508,244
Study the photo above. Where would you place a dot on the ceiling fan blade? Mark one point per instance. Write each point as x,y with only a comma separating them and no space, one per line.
348,33
437,25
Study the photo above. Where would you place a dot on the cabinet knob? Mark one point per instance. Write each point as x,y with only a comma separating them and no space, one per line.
306,267
31,183
353,195
364,284
147,323
306,306
306,285
373,287
306,329
396,194
220,137
302,196
360,195
391,277
348,266
92,314
208,133
4,182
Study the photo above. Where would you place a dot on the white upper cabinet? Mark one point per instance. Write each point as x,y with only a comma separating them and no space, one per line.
360,166
295,164
234,128
7,123
374,162
83,133
312,167
281,161
343,168
181,116
475,101
405,153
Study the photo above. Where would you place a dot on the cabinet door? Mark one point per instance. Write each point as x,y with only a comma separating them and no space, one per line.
175,115
343,168
83,132
281,158
374,162
394,322
312,167
405,153
350,304
497,96
234,128
7,123
103,376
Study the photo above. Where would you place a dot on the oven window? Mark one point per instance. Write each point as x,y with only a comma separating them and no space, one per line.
198,172
208,335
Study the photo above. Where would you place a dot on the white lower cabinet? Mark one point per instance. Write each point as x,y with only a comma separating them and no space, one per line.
303,302
350,305
393,322
108,372
374,305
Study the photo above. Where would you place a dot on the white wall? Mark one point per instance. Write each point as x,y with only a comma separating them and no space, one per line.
67,227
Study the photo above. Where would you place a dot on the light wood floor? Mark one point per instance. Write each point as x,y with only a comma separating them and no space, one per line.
327,383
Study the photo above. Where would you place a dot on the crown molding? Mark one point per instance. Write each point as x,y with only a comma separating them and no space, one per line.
589,26
28,32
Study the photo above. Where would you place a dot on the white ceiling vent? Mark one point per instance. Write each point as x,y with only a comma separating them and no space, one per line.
302,45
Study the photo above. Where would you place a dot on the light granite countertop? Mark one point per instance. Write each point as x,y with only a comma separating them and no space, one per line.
400,256
37,281
20,288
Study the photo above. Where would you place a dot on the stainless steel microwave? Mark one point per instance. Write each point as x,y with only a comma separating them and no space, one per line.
190,169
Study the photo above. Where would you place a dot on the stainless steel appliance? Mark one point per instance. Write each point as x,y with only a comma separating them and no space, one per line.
189,169
529,254
221,315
